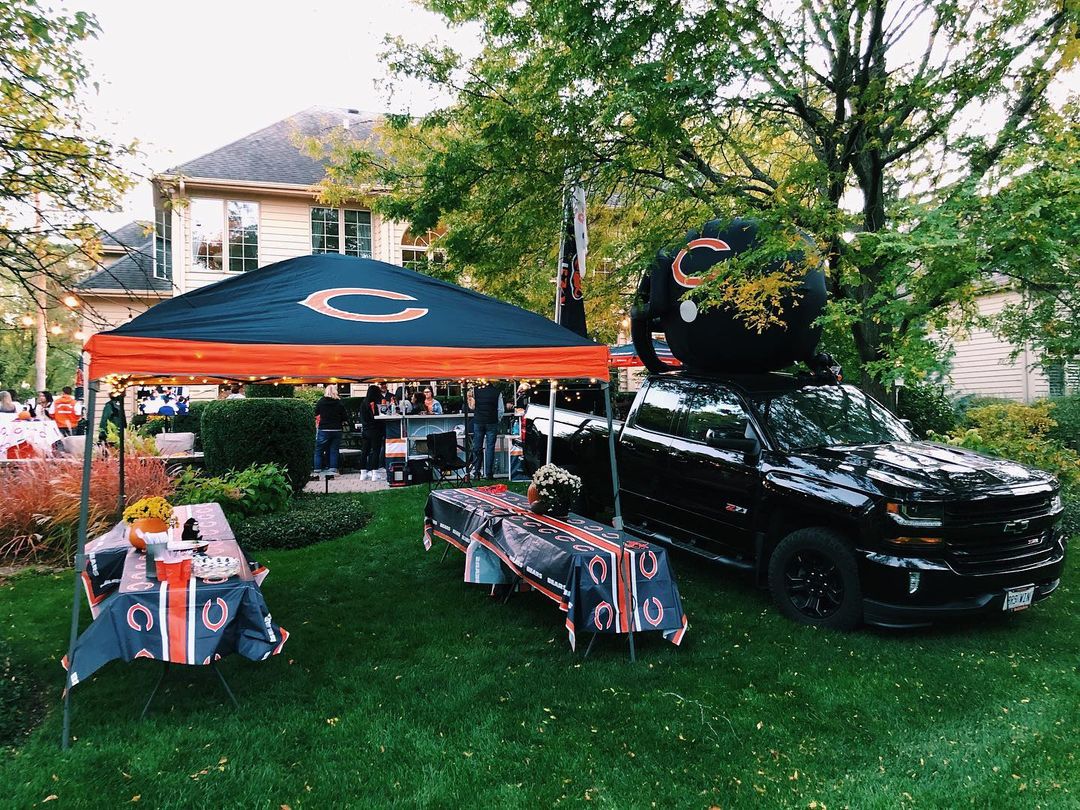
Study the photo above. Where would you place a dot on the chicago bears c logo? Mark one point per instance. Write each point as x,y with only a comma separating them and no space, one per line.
215,626
654,603
320,302
648,564
676,266
145,611
593,563
602,609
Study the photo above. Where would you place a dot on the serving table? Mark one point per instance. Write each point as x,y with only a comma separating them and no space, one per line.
607,582
137,616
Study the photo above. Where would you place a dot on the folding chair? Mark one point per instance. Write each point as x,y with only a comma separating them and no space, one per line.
446,465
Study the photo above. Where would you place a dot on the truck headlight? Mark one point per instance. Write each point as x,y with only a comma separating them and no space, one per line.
1055,503
916,513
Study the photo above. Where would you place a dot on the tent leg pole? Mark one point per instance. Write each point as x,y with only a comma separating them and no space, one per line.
551,419
80,557
122,499
468,455
617,522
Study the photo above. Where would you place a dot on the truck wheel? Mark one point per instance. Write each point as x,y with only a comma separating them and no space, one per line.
814,579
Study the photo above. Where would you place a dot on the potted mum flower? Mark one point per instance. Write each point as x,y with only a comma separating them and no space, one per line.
553,490
148,516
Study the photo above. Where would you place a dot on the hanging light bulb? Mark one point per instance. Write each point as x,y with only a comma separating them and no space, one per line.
71,301
27,320
55,329
80,336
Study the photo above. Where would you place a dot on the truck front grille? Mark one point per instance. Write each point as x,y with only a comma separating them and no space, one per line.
996,509
1002,554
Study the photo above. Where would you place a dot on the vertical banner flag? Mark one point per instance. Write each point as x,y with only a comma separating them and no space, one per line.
572,266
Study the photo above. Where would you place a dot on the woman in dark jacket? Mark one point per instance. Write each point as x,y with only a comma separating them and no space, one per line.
330,413
374,434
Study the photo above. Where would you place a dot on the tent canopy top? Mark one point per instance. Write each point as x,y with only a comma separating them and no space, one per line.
328,318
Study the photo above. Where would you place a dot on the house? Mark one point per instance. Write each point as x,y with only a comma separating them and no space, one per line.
245,205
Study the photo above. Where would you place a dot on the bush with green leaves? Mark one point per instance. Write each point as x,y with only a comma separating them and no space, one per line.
1024,433
311,519
310,394
237,433
927,407
258,490
271,390
1066,413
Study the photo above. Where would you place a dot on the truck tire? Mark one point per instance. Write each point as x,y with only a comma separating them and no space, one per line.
814,579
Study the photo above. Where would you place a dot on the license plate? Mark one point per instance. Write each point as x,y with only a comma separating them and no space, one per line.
1019,598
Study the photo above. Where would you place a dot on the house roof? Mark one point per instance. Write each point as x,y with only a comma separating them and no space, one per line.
271,154
132,273
126,236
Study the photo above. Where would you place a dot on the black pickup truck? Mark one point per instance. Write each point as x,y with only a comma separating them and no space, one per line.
821,493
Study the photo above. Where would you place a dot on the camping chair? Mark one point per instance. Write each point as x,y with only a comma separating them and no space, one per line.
443,448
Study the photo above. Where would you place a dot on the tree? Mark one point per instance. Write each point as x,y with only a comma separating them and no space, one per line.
858,122
1030,233
53,169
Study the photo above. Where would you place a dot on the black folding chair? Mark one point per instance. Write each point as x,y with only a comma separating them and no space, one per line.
446,465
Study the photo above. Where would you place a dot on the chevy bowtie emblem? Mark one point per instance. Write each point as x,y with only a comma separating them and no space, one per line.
1016,526
320,302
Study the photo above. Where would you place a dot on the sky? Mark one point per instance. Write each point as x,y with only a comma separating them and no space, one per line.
188,76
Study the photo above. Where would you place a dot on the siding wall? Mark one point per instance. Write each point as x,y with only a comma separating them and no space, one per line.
981,363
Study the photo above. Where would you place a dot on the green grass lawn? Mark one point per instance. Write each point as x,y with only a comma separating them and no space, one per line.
401,685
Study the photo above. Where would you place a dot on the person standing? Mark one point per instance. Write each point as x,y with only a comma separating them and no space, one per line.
432,405
236,392
374,434
65,412
489,407
44,405
330,414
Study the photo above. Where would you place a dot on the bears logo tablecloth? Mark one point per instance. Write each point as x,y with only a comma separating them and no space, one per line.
606,581
139,617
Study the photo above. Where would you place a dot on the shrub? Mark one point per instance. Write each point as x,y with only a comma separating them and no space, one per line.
311,519
258,490
268,390
971,402
1066,413
152,426
928,408
308,394
1023,433
237,433
39,510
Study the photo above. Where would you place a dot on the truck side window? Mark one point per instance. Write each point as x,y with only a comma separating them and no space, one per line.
659,407
712,408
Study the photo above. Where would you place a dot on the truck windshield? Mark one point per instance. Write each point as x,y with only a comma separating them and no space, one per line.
828,416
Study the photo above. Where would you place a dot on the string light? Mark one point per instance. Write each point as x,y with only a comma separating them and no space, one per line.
27,320
80,336
55,329
71,301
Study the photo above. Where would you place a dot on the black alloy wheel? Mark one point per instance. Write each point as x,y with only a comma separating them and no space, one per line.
813,584
814,579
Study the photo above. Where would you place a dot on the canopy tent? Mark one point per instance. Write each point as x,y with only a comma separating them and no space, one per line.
317,317
325,318
626,356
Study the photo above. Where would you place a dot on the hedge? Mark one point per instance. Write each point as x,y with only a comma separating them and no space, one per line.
1066,413
269,390
310,519
237,433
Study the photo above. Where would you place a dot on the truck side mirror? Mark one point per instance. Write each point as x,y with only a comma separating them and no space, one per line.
750,448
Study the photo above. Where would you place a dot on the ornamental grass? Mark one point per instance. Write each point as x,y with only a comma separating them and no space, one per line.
39,507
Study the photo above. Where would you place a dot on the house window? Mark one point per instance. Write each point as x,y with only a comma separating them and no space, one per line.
328,225
163,243
214,221
417,251
207,223
243,236
1063,377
